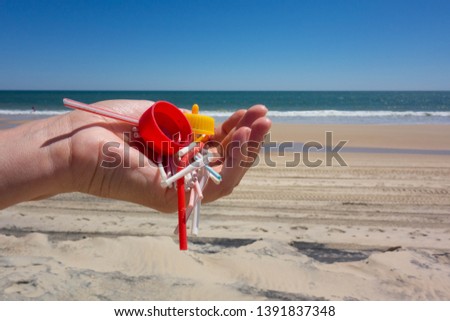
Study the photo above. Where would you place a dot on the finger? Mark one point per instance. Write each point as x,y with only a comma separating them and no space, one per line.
232,171
245,151
252,114
259,130
228,125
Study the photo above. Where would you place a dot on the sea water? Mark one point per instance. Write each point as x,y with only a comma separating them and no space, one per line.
359,107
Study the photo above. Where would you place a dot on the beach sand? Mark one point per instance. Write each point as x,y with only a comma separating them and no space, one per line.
377,229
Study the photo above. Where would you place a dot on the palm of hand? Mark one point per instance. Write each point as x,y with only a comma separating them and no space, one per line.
136,179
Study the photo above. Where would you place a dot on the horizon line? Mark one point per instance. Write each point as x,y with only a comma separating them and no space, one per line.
242,90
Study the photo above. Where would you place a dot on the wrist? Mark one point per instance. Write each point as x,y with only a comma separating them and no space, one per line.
35,161
55,149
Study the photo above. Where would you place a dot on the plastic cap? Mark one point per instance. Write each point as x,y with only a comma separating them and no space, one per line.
201,124
165,128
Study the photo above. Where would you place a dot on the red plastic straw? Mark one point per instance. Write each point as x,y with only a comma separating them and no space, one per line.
182,232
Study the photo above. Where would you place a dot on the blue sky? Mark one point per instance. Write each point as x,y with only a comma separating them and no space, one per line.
225,45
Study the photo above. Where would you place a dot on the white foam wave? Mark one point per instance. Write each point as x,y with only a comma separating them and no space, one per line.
275,114
341,113
344,113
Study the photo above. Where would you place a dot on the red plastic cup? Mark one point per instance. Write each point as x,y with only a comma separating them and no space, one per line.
165,127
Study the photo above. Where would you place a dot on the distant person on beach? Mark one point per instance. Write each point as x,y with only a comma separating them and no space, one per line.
33,109
63,153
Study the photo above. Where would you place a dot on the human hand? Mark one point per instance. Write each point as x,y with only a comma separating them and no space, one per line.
77,142
240,137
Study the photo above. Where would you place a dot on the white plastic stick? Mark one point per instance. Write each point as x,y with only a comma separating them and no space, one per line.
189,210
189,169
196,218
216,177
99,111
163,174
186,149
198,203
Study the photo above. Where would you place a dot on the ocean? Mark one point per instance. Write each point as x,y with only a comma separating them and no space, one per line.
352,107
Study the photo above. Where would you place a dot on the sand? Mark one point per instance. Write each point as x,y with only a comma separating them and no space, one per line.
377,229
